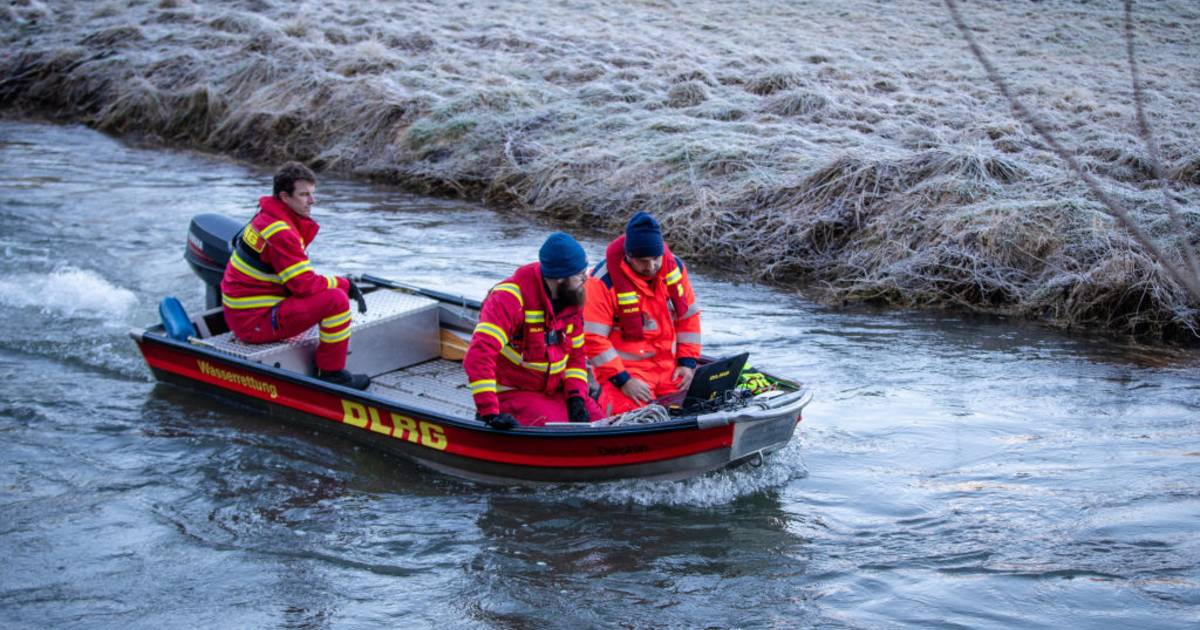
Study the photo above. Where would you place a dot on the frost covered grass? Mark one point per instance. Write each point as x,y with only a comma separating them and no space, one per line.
851,147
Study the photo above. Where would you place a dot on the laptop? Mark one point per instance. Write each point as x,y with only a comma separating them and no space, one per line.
710,380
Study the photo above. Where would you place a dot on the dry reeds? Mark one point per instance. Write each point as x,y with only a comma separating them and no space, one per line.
687,94
826,147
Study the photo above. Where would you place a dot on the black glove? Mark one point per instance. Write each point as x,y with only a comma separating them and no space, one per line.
357,296
499,421
576,410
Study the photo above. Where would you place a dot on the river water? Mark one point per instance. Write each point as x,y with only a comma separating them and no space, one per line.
952,472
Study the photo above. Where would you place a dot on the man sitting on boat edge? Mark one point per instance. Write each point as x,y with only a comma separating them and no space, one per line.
641,320
271,292
526,362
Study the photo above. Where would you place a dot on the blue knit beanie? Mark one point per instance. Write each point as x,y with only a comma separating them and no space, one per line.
561,256
643,237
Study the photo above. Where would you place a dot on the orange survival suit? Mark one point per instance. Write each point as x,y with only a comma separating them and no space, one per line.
271,292
524,358
638,327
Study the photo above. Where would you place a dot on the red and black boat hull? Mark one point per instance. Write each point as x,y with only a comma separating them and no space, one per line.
670,450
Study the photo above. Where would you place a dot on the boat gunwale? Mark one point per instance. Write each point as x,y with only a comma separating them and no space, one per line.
157,334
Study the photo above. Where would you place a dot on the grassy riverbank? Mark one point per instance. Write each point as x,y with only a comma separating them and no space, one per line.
852,147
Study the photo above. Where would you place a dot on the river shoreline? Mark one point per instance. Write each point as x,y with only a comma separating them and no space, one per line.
853,149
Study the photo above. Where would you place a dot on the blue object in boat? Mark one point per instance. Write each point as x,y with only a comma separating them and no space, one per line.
175,319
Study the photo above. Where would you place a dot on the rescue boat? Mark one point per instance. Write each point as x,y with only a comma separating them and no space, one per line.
411,342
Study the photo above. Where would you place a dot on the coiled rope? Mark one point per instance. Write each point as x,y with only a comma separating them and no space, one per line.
643,415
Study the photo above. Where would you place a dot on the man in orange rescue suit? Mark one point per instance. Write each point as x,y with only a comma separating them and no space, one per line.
641,320
270,290
526,363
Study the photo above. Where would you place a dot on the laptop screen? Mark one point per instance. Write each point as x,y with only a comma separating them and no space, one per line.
718,377
710,380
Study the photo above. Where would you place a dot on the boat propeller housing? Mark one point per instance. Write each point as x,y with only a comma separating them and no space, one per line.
209,244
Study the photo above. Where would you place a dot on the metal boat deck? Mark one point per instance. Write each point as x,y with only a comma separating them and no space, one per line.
398,330
439,385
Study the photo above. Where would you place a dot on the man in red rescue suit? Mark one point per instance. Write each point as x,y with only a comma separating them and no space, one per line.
270,290
641,320
526,363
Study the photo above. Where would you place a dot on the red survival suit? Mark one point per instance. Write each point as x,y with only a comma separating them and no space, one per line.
525,359
270,291
638,328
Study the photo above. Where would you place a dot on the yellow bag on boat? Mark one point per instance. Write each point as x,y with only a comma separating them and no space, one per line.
754,381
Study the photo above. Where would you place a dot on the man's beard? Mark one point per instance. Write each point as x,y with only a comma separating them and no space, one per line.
570,297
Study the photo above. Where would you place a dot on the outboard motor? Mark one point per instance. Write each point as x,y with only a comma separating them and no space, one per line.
209,245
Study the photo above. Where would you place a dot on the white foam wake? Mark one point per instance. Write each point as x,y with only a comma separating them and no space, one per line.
66,290
719,488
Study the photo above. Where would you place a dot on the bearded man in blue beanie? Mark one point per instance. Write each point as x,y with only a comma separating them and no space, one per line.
526,363
641,320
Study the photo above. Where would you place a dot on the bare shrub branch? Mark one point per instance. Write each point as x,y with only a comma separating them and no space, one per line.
1191,281
1147,135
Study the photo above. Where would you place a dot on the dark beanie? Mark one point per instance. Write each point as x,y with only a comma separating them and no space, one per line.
643,237
561,256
